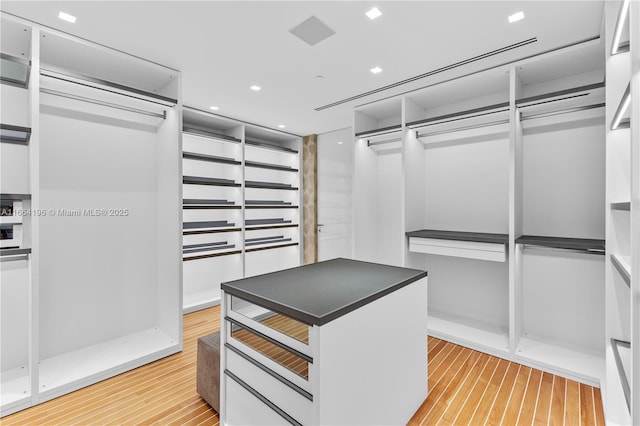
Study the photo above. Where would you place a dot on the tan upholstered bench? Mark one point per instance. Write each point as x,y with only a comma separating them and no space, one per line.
208,369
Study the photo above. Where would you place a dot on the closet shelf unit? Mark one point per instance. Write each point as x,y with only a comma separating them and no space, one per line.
622,340
474,245
15,70
240,182
65,268
587,245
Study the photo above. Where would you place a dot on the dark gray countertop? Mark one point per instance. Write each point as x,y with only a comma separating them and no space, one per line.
321,292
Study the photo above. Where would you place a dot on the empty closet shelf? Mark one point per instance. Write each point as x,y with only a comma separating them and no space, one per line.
207,224
623,266
270,146
461,115
14,134
14,251
277,221
202,203
198,180
195,248
267,206
270,166
626,206
472,245
622,355
571,93
266,240
209,134
581,244
269,185
211,158
14,70
275,226
266,202
379,131
14,197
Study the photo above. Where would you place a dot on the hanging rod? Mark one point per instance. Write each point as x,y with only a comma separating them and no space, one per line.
382,142
103,103
562,111
459,129
109,86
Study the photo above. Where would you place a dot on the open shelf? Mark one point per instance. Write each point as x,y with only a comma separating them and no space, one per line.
473,245
460,115
198,180
622,355
583,244
209,255
15,197
275,221
207,224
209,134
267,202
256,228
196,248
270,247
622,116
575,363
211,231
266,145
379,131
14,134
16,388
76,369
205,203
269,166
272,207
265,240
269,185
623,266
625,206
559,95
9,251
14,70
211,158
462,331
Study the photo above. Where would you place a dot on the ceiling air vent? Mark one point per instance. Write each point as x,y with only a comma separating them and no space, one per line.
312,31
432,72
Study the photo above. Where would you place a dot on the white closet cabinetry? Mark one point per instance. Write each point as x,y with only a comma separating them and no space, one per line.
100,293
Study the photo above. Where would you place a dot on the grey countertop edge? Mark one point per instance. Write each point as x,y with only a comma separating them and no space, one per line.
311,319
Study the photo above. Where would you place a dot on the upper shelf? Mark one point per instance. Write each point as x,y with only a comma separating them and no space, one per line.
270,166
379,131
582,244
14,70
481,237
269,185
211,158
589,96
209,134
469,113
198,180
14,134
266,145
621,206
15,197
14,251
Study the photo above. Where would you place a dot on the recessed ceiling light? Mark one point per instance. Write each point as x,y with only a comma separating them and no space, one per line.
376,70
282,126
215,108
255,88
516,17
340,142
66,17
373,13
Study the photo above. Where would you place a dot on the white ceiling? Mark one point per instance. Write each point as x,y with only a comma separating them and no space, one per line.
223,47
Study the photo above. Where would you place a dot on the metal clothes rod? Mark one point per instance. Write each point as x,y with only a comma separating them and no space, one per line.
458,129
382,142
562,111
103,103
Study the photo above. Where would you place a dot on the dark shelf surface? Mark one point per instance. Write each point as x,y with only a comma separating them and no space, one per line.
270,146
211,231
381,130
198,180
271,247
269,185
270,202
321,292
209,248
621,206
206,256
209,134
14,251
14,134
479,237
274,221
585,244
207,157
15,197
626,387
269,166
457,115
549,95
207,224
257,228
266,206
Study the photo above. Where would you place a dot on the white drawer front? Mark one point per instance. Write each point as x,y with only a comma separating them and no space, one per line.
289,400
468,249
243,408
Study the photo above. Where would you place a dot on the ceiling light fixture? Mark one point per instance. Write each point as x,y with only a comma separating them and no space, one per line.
376,70
215,108
373,13
66,17
282,126
255,88
516,17
619,25
340,142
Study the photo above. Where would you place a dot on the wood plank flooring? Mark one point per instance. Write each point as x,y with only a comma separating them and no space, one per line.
466,387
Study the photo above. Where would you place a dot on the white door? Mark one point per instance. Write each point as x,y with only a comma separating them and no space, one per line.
335,171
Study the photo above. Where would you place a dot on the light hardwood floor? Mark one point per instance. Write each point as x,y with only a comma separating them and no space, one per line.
466,387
